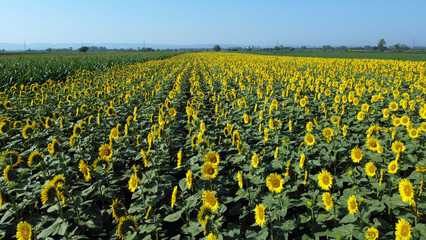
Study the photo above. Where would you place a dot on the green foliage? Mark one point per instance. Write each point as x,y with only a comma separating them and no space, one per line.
31,68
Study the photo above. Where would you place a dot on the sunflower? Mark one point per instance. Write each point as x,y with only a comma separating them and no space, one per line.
385,113
327,200
211,236
179,157
205,212
105,150
58,180
309,126
275,182
398,147
202,127
174,196
27,130
114,133
373,144
266,134
352,205
403,230
126,224
133,182
69,98
209,170
82,166
101,160
212,157
1,199
3,127
12,157
118,209
393,167
210,200
356,155
372,233
259,214
413,133
240,179
8,174
406,190
189,179
325,180
370,169
365,107
393,106
53,147
72,138
405,120
111,111
255,160
302,160
48,193
24,231
309,139
360,116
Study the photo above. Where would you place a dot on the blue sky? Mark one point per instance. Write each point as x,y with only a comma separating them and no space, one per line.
248,22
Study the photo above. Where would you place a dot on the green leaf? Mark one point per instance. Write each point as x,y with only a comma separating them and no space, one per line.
173,217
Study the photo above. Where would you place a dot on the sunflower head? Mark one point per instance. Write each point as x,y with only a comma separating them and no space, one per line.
275,182
209,199
84,168
393,167
309,139
240,179
372,233
111,111
9,174
259,214
398,147
352,205
325,180
126,225
48,193
118,209
101,164
53,147
403,229
406,190
393,106
327,200
212,157
189,179
105,150
24,231
373,144
255,160
356,155
133,182
172,112
209,170
413,133
370,169
11,157
205,212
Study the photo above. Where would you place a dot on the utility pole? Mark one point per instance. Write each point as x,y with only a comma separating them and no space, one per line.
25,48
414,40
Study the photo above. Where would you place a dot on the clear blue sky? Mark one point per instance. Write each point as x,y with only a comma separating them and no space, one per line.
262,23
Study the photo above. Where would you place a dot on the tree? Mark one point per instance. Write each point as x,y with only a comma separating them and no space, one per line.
216,48
381,45
397,47
83,49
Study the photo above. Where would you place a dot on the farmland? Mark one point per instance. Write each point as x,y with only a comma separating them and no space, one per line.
218,146
38,67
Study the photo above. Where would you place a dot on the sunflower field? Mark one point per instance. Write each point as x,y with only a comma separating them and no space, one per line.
218,146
